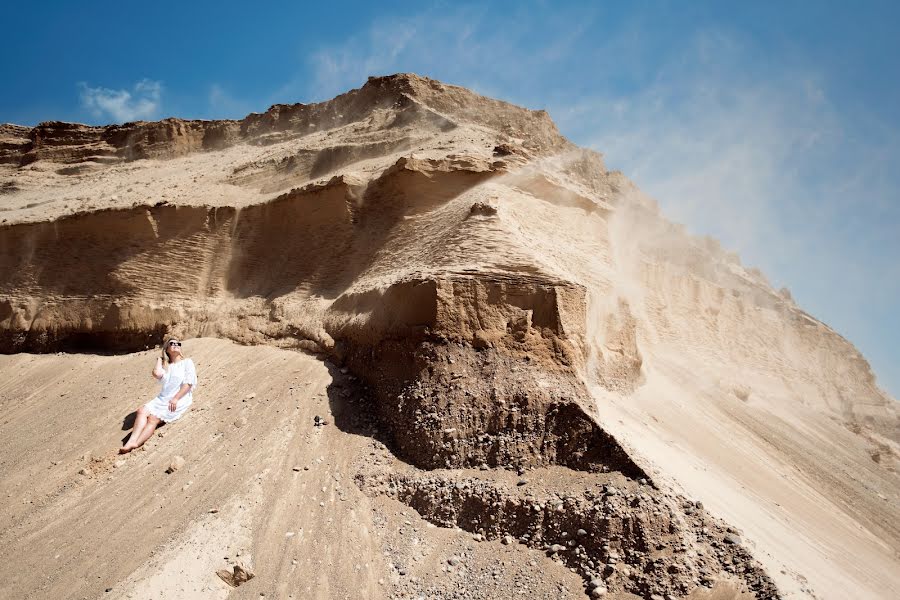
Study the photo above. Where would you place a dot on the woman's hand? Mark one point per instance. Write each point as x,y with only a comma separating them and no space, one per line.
182,391
158,371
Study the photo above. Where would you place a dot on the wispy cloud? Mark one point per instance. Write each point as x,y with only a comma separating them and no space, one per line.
223,104
339,68
141,102
465,45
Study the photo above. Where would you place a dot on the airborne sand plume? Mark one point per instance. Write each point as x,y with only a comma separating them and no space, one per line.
533,384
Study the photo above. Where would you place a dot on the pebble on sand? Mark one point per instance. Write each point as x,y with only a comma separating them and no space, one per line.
176,463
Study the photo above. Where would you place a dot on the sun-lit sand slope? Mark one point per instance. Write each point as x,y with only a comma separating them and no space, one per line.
539,350
262,486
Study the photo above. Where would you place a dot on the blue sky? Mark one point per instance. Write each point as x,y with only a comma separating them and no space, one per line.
773,126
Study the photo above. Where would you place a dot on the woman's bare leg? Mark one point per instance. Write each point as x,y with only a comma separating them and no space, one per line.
140,423
148,430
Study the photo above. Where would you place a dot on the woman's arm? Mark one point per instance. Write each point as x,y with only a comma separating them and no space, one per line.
158,371
184,389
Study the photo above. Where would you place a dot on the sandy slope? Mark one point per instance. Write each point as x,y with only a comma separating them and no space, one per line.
282,491
822,519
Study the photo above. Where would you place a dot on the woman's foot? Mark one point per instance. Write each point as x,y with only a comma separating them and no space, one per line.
125,449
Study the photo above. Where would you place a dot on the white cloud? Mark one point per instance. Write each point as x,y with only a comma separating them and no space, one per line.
141,102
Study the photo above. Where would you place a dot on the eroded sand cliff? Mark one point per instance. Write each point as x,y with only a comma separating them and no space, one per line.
512,342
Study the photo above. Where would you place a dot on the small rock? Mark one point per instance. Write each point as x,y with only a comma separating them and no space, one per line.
239,576
176,463
598,592
507,540
453,561
296,469
555,548
503,149
732,539
522,482
84,471
581,533
213,511
240,422
319,421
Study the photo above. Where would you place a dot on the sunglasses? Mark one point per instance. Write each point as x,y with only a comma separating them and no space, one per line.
174,343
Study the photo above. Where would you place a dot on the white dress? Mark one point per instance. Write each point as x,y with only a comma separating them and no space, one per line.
178,373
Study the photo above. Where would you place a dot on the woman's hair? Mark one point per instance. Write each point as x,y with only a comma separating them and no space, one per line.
165,346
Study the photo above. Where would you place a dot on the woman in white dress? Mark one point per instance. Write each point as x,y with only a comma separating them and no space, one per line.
178,377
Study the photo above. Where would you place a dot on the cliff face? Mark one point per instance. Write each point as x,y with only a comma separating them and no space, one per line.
488,282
